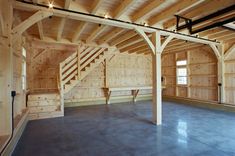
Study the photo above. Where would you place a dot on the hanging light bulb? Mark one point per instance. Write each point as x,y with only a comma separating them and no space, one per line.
106,16
50,5
146,24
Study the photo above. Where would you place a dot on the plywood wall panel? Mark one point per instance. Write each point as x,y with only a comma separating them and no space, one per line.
230,79
202,74
122,71
44,67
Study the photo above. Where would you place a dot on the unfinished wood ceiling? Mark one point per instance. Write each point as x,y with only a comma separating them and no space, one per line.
156,13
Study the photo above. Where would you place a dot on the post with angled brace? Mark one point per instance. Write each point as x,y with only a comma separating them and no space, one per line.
156,73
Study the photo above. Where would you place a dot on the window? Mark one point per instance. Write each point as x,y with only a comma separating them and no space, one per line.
181,72
23,68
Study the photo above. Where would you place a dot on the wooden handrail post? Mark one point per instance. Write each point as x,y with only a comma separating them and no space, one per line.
79,61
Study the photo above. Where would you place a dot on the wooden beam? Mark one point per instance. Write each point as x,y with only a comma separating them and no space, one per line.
170,11
67,4
211,31
146,39
148,51
97,31
142,48
87,18
95,6
134,46
156,80
175,43
2,24
40,30
200,10
226,36
168,39
39,15
229,52
180,50
229,40
215,50
123,38
78,31
35,1
60,29
189,38
122,8
110,35
130,41
146,10
182,46
117,13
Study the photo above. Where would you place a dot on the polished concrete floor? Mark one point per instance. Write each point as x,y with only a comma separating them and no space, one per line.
126,130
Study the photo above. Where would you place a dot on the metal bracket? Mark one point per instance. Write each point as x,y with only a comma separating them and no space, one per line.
188,23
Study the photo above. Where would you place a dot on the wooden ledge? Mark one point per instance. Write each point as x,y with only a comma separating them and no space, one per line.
134,90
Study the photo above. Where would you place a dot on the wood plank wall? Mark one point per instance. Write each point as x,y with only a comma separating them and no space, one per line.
135,70
20,100
202,74
122,71
230,79
43,68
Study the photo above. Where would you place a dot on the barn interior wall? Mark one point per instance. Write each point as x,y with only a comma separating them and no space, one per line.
229,74
133,70
201,74
16,80
121,71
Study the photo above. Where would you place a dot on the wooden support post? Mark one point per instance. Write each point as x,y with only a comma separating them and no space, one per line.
61,90
6,69
106,73
188,73
157,87
79,62
221,76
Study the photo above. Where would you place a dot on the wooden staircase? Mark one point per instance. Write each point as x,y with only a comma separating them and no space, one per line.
78,65
71,71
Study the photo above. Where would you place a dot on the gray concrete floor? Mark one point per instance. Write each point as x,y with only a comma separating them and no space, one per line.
126,130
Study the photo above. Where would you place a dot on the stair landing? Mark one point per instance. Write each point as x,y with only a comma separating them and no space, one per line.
44,105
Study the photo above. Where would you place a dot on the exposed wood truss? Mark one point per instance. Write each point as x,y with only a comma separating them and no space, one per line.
92,19
19,29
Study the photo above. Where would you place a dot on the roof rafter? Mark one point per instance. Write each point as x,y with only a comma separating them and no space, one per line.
122,24
171,10
122,8
123,38
201,9
146,10
117,13
131,47
40,30
98,30
110,35
83,25
61,28
95,6
67,4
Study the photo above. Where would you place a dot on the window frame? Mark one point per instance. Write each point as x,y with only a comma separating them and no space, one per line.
23,69
184,67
